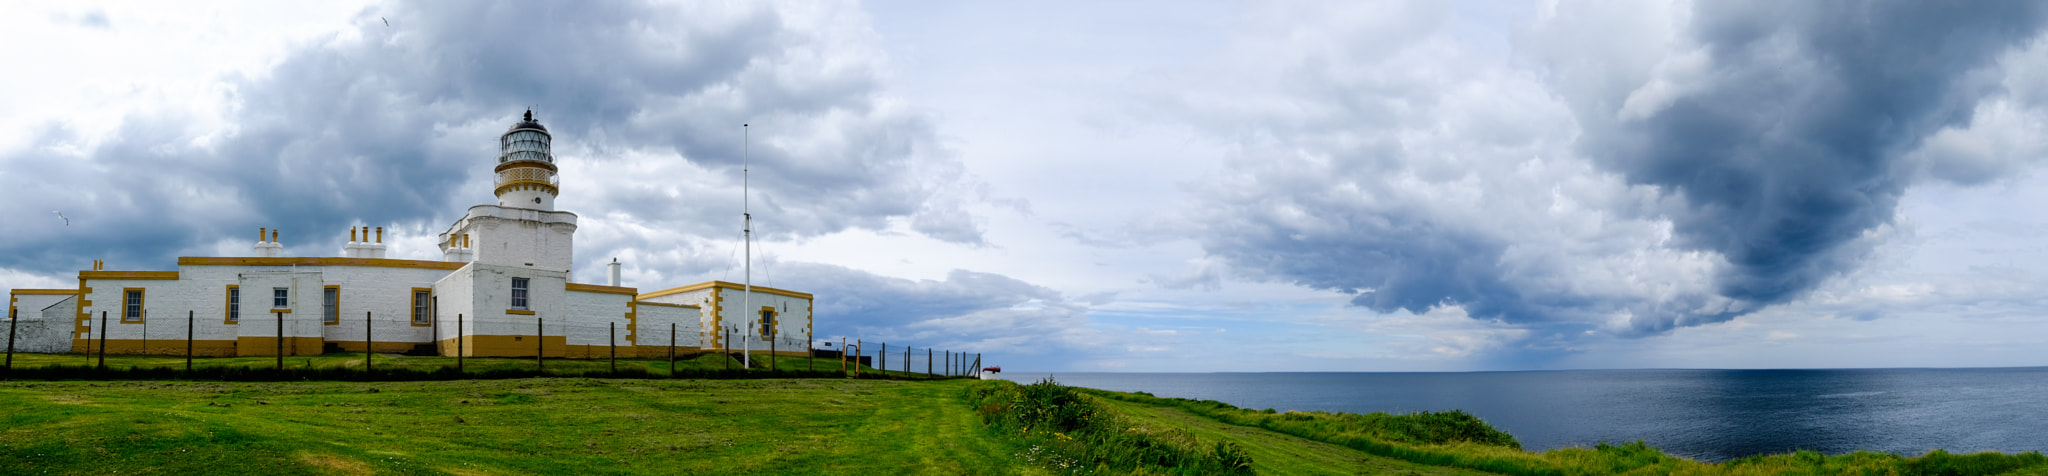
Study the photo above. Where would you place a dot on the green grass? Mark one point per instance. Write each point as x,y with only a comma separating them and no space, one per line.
1459,440
1272,452
492,424
520,426
1071,432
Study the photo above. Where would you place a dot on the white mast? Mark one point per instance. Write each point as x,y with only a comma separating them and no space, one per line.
747,235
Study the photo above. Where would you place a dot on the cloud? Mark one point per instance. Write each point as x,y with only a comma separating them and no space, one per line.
1419,172
984,312
1628,169
397,125
1784,141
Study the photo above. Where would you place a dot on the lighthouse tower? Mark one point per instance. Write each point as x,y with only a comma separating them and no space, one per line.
526,167
523,229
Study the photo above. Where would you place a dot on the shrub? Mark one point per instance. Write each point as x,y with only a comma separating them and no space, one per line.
1063,430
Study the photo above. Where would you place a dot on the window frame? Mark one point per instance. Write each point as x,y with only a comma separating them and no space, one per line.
768,315
522,294
421,308
281,299
231,308
330,309
134,302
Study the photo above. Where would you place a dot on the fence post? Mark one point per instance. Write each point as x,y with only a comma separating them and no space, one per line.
671,350
858,350
188,340
724,345
13,318
842,356
927,362
280,341
540,345
103,339
614,340
458,343
771,353
976,369
906,361
369,341
883,359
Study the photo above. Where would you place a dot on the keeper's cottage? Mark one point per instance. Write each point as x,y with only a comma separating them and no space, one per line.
501,289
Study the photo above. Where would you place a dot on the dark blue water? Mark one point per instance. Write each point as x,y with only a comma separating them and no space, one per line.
1707,415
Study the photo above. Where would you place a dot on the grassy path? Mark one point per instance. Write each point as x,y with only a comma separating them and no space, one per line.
576,426
1275,453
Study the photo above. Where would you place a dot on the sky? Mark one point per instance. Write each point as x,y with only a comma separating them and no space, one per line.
1141,186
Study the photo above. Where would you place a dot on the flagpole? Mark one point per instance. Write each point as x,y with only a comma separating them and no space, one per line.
747,235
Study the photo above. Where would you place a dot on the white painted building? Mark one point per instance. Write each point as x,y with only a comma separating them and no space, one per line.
501,289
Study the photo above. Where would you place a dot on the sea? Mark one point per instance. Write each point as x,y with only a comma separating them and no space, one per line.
1705,415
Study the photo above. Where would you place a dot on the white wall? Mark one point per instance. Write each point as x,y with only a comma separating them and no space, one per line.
587,315
655,321
793,315
492,285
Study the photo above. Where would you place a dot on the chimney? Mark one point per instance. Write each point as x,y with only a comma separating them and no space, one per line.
612,278
374,250
268,249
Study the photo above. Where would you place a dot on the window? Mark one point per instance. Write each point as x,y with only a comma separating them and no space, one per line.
519,294
131,305
280,298
419,307
767,322
234,304
330,304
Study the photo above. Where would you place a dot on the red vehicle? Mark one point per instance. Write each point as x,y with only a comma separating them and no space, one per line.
996,369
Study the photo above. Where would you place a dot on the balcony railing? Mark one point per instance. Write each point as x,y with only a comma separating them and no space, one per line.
532,174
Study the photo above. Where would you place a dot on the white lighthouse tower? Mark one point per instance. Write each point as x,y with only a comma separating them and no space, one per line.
526,167
523,229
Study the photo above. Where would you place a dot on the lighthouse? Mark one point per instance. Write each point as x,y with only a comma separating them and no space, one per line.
526,167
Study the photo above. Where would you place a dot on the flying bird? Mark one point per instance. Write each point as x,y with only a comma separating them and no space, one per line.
67,220
386,22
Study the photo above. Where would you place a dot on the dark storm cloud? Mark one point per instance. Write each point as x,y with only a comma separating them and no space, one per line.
1787,149
398,124
1602,176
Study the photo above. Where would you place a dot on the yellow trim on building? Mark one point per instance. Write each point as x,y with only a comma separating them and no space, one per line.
44,292
593,288
717,320
337,304
309,261
84,275
228,314
504,346
522,312
725,285
78,328
663,304
430,307
141,305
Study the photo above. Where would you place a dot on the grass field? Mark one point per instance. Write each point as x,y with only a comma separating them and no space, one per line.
768,426
519,426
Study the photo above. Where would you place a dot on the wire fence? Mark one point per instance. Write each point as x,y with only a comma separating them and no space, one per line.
280,346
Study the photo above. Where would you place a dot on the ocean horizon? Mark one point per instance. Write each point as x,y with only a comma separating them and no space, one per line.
1709,415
